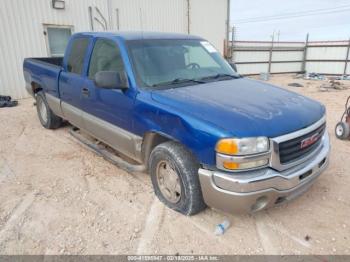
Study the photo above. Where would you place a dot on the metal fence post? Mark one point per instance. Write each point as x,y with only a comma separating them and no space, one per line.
346,58
232,41
303,65
270,54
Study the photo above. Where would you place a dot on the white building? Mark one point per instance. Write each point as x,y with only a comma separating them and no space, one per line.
39,28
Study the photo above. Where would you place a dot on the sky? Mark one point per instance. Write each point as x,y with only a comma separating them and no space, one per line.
322,19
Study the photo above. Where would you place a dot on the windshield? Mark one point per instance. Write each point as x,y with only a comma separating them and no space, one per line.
163,63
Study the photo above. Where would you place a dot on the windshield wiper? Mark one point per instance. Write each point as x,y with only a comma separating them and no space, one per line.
179,81
220,76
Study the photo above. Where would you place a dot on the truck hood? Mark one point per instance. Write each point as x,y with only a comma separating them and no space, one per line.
244,107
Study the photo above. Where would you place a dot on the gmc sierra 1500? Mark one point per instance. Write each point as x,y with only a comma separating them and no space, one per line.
171,103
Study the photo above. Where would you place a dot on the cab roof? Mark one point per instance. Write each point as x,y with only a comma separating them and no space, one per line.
139,35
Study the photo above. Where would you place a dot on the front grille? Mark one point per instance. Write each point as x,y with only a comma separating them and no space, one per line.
291,150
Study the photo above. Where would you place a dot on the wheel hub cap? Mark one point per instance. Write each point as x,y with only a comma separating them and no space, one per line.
42,110
169,182
339,130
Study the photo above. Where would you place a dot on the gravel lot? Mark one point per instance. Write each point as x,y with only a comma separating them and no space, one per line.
57,197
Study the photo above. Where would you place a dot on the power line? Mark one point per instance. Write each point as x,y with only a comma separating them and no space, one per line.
296,13
293,15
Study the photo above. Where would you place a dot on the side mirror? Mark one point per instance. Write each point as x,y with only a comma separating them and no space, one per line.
233,65
112,80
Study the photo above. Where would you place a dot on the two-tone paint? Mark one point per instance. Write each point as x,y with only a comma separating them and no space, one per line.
195,116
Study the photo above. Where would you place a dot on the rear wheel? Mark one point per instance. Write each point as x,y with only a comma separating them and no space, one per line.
342,130
47,118
174,174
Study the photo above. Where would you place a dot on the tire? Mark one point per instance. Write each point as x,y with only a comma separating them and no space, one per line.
342,130
47,118
173,159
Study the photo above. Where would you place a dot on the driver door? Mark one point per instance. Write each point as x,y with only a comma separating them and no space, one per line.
108,112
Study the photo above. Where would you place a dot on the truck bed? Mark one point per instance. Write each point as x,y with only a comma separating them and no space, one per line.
43,71
57,61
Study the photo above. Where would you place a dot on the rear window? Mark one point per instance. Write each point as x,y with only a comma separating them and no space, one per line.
77,54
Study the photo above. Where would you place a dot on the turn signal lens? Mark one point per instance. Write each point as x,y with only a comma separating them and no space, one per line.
227,146
230,165
242,146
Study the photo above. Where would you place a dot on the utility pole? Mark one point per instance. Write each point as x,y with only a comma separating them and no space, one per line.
278,35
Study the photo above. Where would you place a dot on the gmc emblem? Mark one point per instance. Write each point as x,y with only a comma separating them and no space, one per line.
309,141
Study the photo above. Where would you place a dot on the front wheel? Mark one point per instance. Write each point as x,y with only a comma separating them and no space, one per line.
174,175
47,118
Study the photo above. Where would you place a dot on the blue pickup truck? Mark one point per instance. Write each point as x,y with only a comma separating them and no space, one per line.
169,104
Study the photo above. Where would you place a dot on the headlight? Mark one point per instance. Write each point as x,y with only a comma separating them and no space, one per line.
243,146
242,153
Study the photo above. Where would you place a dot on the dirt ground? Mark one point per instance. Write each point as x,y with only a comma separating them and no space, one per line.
57,197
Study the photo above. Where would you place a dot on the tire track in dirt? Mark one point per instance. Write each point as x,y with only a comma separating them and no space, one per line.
7,231
152,225
270,232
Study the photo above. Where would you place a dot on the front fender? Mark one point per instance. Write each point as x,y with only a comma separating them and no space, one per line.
198,136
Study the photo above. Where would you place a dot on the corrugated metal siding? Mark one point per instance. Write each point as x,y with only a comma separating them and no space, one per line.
326,53
287,56
246,69
285,67
325,68
207,17
266,44
155,15
22,26
208,20
293,53
250,56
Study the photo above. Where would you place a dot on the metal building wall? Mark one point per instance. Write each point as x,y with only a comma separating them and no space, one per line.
205,18
208,20
22,26
151,15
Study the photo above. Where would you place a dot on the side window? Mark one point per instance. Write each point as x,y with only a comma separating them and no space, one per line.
105,57
77,55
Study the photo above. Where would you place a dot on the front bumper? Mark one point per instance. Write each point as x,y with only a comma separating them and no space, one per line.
251,191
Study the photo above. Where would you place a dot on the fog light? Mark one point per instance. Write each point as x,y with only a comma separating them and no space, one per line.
245,165
253,164
260,203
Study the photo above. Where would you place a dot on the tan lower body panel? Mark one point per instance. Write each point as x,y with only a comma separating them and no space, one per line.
54,104
119,139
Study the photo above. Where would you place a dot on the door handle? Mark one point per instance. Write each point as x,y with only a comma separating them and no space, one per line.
85,91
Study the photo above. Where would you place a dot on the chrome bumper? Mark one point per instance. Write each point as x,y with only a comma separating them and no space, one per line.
255,190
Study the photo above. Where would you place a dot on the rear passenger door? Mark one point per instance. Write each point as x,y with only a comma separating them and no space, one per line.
109,111
72,80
